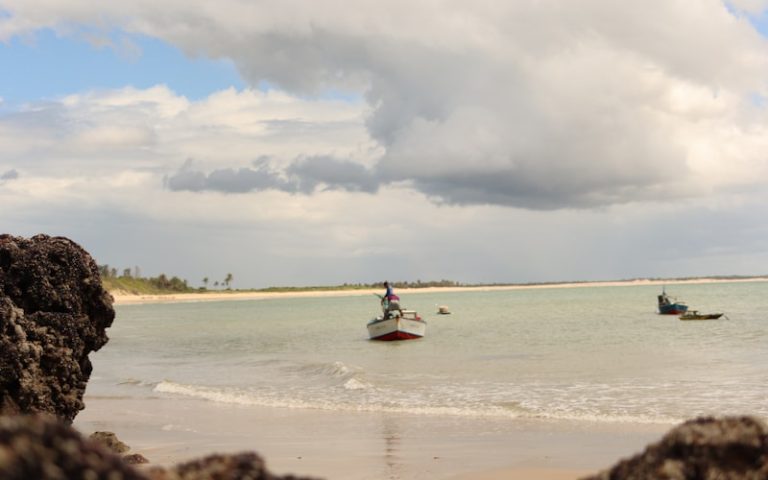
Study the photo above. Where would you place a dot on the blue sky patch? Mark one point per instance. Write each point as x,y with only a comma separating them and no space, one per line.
48,65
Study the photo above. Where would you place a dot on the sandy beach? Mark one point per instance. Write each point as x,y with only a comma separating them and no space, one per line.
364,446
125,298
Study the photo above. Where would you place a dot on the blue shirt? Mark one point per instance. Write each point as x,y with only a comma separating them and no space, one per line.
390,295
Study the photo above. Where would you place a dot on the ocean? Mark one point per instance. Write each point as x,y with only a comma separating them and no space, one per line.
592,354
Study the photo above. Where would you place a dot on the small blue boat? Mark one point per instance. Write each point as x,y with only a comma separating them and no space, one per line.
670,306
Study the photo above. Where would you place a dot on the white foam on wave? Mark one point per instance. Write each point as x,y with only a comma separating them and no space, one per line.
202,392
176,428
375,401
355,384
608,418
229,396
338,369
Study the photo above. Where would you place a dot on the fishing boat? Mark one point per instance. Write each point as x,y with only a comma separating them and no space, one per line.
669,305
396,323
695,315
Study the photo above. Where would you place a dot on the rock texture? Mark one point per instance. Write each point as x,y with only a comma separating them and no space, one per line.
241,466
44,448
731,448
114,445
109,440
53,313
135,459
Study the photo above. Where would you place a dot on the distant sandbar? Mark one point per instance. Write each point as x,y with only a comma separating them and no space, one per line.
126,298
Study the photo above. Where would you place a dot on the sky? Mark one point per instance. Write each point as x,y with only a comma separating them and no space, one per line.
298,143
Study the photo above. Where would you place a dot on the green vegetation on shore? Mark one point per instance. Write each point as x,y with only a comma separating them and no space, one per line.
450,283
132,282
364,286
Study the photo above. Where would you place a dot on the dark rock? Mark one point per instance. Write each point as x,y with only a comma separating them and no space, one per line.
731,448
109,440
42,447
135,459
241,466
53,313
45,448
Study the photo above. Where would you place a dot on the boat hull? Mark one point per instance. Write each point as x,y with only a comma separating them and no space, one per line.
701,316
398,328
669,307
673,309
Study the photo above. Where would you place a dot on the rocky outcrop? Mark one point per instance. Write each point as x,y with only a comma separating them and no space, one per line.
114,445
53,313
239,466
135,459
731,448
42,447
109,440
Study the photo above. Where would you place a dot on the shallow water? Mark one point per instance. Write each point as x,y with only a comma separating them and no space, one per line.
590,353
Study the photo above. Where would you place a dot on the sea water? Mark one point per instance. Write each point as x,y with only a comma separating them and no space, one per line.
598,354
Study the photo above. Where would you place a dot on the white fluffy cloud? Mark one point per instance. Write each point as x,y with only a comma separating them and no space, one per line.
542,105
396,135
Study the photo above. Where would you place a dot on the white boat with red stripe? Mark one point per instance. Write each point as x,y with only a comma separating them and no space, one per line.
402,325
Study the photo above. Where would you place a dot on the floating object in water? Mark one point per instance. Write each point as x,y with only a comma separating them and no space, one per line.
695,315
406,327
670,306
396,323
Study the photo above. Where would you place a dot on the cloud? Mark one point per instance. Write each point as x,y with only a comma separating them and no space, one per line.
226,180
107,132
11,174
310,173
753,7
305,175
540,105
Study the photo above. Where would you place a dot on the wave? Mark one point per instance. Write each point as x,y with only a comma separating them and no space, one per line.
170,427
375,403
329,370
355,384
335,386
135,382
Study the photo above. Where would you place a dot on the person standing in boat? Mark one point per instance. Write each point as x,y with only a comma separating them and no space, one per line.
390,302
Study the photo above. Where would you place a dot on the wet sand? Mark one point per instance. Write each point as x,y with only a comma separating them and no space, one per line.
363,445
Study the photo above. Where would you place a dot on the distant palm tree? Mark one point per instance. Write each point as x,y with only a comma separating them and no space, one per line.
228,280
205,282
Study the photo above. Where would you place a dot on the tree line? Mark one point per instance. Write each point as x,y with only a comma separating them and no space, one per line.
374,285
130,279
117,278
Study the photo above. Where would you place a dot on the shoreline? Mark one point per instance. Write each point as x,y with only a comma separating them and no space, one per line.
365,445
123,298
